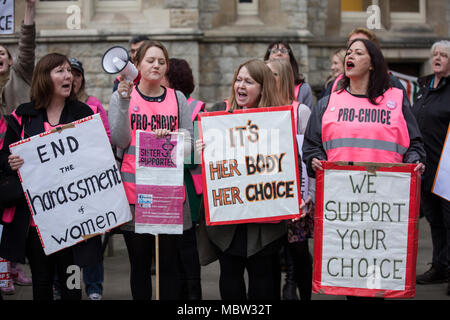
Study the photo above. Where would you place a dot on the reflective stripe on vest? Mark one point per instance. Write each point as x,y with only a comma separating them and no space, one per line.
353,129
147,116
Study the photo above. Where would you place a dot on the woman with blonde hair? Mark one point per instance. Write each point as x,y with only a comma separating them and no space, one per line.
150,99
249,246
336,69
298,260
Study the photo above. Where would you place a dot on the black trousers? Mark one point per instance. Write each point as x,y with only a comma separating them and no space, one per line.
437,213
43,269
262,285
303,268
140,252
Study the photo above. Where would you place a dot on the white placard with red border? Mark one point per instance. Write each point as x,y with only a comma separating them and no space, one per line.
441,185
366,232
250,166
72,183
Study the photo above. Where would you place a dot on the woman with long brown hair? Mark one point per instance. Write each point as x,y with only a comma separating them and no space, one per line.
251,246
53,103
297,258
149,99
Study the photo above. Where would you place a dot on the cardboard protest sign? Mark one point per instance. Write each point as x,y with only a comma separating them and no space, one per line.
441,186
72,183
366,232
4,274
159,183
250,166
6,16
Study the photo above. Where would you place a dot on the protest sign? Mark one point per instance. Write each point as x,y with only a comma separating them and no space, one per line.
4,274
6,16
365,236
159,183
250,166
72,183
441,186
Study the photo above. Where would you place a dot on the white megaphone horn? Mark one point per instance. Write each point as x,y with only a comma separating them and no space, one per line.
116,60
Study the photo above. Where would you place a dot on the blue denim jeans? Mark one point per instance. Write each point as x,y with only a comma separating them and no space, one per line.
93,278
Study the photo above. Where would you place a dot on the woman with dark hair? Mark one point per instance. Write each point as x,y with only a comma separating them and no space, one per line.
149,99
180,77
393,137
53,103
281,50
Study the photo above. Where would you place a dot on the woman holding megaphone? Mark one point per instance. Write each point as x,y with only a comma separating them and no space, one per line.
128,106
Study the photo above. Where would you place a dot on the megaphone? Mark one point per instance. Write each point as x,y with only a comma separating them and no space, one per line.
116,60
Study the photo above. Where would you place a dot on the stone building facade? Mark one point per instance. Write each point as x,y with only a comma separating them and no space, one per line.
216,36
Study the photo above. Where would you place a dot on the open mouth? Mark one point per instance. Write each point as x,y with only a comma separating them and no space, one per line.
66,86
350,65
242,95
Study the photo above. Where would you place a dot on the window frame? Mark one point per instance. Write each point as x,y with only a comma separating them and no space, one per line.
247,9
105,6
395,17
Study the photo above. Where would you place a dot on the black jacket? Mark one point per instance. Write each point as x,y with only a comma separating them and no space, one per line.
432,111
12,245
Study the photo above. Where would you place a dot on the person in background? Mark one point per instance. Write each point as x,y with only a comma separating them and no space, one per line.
298,259
282,50
366,85
135,42
362,33
15,79
433,115
92,275
149,98
336,68
53,103
180,77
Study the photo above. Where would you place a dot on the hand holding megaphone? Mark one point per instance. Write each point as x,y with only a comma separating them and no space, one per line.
116,60
125,87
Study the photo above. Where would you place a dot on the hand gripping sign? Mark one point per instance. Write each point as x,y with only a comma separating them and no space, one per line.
72,183
250,166
365,232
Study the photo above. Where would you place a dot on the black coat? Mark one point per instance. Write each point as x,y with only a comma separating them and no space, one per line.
432,111
12,245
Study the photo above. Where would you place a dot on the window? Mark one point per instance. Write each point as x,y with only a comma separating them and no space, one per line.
117,5
247,7
409,11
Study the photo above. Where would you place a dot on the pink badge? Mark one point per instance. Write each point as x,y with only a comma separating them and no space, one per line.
136,108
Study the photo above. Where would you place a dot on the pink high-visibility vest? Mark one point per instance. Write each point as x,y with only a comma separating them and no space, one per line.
147,116
353,129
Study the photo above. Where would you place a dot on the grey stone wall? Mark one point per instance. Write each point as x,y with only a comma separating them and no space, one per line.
219,61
